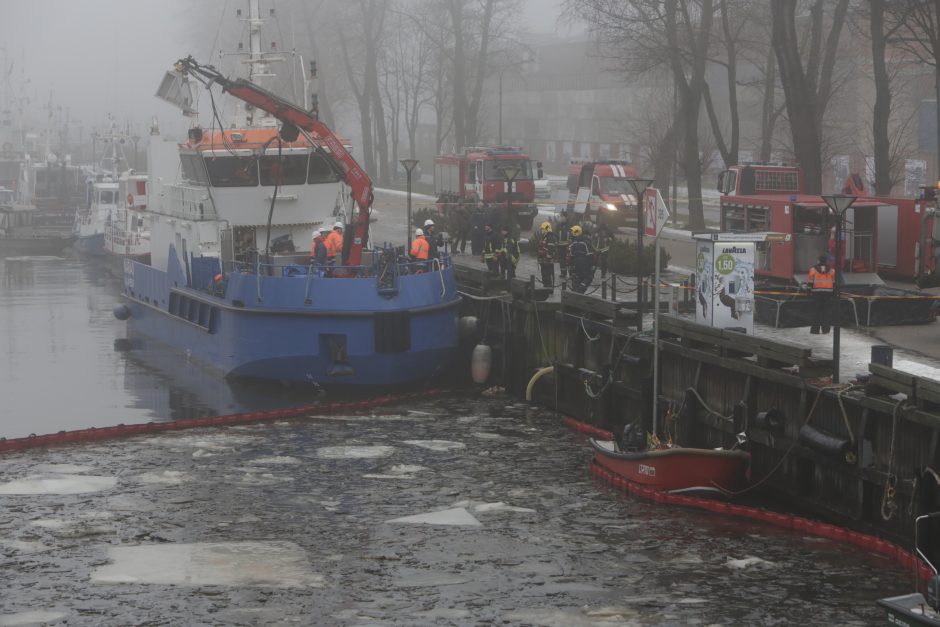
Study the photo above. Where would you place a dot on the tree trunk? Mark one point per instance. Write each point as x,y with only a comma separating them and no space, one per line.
473,107
800,97
460,74
768,119
365,110
882,109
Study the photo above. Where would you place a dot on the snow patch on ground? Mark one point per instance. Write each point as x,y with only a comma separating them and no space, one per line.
265,564
454,516
58,484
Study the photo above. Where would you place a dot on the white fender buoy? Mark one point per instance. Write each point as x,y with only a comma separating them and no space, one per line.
480,363
467,326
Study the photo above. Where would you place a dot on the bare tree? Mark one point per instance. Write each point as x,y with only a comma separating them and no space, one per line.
808,89
370,15
645,37
919,34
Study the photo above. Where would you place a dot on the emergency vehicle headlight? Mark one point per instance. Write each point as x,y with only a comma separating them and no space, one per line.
611,206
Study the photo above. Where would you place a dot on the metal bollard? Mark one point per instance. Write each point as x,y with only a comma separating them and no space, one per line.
531,290
613,287
603,290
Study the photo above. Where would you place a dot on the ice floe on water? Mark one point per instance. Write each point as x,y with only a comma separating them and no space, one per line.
485,435
267,564
455,516
498,506
164,477
280,460
354,452
57,484
436,445
35,617
62,469
414,578
24,546
749,562
398,471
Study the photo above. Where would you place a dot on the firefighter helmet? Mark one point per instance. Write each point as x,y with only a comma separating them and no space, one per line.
576,230
546,227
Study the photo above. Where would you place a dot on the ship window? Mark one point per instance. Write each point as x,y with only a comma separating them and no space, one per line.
106,197
283,170
320,170
233,171
193,169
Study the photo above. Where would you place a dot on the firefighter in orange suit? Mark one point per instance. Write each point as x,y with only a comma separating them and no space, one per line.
821,281
334,244
419,247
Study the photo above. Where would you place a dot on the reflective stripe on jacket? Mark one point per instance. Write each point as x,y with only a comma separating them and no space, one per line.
419,248
822,281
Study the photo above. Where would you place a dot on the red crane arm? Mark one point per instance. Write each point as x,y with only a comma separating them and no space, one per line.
290,114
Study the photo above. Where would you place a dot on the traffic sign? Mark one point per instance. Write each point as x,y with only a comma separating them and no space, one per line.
657,215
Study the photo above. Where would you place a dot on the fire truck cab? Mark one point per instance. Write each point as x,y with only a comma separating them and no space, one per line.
479,173
762,198
611,198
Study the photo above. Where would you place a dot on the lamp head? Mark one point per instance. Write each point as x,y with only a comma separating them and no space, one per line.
839,202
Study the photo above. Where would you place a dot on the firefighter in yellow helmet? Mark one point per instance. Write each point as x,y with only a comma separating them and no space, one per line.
546,254
581,259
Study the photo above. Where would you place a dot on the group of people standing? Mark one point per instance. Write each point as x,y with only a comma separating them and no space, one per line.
327,245
582,249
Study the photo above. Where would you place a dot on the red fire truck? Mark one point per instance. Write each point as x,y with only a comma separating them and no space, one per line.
611,197
909,241
894,237
478,173
769,198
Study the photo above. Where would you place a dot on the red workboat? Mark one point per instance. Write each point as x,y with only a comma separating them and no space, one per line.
678,470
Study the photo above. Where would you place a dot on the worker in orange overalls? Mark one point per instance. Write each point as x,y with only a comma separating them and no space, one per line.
419,247
821,282
334,244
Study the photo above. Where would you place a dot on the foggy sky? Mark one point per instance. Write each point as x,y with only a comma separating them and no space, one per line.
101,57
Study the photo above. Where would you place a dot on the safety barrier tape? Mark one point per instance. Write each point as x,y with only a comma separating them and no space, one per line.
97,434
902,556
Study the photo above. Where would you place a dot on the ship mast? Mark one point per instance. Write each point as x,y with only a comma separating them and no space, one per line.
259,71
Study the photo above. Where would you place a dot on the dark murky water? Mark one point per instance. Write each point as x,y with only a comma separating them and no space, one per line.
290,523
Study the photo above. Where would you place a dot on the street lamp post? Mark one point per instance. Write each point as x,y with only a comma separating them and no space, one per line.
510,172
639,189
838,203
409,165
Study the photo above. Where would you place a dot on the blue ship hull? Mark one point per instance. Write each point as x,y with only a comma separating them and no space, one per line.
91,245
300,329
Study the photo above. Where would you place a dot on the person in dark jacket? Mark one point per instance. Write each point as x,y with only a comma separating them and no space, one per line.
462,216
581,260
434,240
492,247
546,254
318,248
509,254
602,237
478,228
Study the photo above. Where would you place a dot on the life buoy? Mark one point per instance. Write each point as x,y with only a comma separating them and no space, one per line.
130,200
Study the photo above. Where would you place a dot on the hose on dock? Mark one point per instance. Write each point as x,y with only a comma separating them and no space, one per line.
541,372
